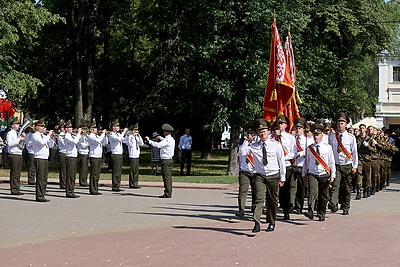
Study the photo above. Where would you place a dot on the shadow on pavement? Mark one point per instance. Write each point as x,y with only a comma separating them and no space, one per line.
215,229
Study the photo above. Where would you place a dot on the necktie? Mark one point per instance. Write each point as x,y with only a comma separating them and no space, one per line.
136,141
41,135
264,151
316,161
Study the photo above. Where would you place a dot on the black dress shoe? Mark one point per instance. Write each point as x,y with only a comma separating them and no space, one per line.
309,215
17,194
332,207
43,200
165,196
118,190
240,214
286,216
96,193
135,187
321,218
256,227
345,212
73,196
270,228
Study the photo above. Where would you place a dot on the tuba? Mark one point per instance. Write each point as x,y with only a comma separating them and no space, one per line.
28,122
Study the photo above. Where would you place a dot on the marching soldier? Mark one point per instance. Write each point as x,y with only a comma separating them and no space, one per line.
364,170
14,150
83,151
167,150
344,147
319,171
246,172
288,143
31,162
134,141
62,155
95,142
301,143
115,138
270,172
71,142
41,144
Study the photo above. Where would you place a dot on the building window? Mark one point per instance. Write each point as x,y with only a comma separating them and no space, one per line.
396,74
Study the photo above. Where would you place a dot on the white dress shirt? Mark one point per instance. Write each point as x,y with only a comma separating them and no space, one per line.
244,165
166,145
349,142
96,145
61,142
116,139
83,145
134,142
275,157
289,143
185,142
41,144
326,153
28,143
71,143
12,143
301,155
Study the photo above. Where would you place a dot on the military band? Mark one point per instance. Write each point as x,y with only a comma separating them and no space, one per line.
316,164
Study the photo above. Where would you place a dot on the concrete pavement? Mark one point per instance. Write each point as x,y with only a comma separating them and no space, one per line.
196,227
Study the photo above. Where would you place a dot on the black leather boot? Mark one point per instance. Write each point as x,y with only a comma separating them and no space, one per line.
358,196
365,194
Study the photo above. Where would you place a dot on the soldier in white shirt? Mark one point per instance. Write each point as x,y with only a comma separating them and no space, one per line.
115,138
71,141
62,154
31,163
344,148
40,145
96,142
14,150
288,143
319,171
301,143
270,172
83,157
246,172
134,141
167,146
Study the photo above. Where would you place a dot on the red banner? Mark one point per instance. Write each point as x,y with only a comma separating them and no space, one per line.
280,86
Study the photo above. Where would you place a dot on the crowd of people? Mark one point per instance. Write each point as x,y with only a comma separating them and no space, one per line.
82,151
322,162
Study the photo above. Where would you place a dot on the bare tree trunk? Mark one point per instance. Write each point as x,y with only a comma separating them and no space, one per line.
233,166
90,55
206,152
76,20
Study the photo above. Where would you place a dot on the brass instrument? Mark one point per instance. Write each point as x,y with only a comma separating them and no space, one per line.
28,122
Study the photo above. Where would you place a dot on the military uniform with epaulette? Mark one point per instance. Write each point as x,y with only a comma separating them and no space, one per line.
364,169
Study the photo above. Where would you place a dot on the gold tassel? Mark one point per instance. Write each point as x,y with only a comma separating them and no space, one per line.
298,98
274,95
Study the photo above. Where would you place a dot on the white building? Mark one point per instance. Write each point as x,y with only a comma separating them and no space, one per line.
388,107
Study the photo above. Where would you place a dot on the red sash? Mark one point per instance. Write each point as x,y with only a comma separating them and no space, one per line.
250,159
285,152
319,159
342,148
299,148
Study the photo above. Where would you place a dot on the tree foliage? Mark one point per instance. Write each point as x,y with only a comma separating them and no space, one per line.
20,24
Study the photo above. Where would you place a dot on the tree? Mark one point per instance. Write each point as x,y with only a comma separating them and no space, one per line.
20,23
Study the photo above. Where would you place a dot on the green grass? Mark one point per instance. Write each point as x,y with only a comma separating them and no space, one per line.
210,171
